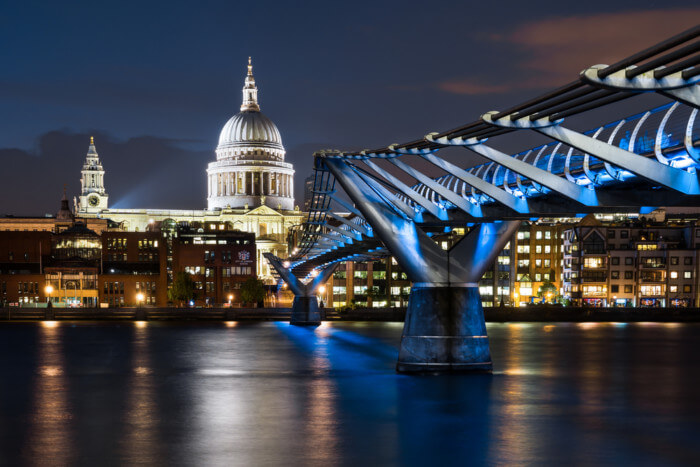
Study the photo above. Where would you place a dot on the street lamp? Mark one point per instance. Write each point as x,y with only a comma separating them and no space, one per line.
230,299
139,298
49,290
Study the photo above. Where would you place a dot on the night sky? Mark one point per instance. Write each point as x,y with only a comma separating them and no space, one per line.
154,82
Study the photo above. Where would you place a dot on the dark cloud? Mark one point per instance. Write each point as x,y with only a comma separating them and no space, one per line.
552,51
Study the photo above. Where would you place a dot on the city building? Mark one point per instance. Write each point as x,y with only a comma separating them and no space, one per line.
74,266
632,262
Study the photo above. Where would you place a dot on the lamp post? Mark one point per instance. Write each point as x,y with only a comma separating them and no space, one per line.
321,293
139,299
230,299
48,290
48,313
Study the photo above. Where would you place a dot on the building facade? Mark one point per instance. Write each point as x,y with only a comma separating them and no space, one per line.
74,266
631,263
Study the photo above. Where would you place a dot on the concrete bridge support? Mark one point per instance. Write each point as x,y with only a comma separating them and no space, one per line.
444,329
305,309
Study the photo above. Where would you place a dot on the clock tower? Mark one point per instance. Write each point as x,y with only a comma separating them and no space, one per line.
93,198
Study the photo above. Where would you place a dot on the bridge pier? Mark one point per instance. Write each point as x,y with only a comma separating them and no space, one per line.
305,309
444,331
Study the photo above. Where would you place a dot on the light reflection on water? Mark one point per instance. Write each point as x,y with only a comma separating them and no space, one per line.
274,394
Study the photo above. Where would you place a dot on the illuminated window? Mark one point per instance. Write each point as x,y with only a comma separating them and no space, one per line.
650,290
594,290
538,249
673,288
688,275
538,235
593,262
674,274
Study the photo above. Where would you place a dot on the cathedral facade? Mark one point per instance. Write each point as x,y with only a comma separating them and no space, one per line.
249,186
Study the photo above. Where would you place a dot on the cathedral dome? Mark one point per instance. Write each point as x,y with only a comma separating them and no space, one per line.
250,128
250,170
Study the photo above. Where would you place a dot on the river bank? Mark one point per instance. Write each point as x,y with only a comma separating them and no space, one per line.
538,313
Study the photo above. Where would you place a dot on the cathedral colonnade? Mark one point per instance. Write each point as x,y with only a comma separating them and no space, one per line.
249,182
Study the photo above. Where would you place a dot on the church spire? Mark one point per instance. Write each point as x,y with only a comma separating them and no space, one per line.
250,91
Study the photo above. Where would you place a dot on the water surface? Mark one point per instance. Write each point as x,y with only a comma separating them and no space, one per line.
272,394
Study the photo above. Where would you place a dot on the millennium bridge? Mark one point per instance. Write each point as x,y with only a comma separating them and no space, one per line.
637,163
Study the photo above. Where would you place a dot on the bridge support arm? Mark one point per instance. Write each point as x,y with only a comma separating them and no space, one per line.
305,309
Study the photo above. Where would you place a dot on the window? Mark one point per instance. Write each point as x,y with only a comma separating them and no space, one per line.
593,262
688,275
629,261
674,274
594,290
629,274
524,248
647,246
629,289
538,277
547,263
614,274
650,290
674,260
611,233
547,234
615,260
523,235
547,249
538,249
538,235
688,260
687,288
538,263
523,263
614,288
673,288
624,233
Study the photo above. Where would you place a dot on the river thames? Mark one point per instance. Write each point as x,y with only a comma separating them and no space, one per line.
271,394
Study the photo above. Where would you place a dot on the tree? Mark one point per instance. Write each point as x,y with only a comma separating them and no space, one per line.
182,289
252,291
546,288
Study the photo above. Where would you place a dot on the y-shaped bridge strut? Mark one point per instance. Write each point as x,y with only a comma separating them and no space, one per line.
444,328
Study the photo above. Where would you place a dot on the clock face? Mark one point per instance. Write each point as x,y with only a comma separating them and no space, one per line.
93,200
